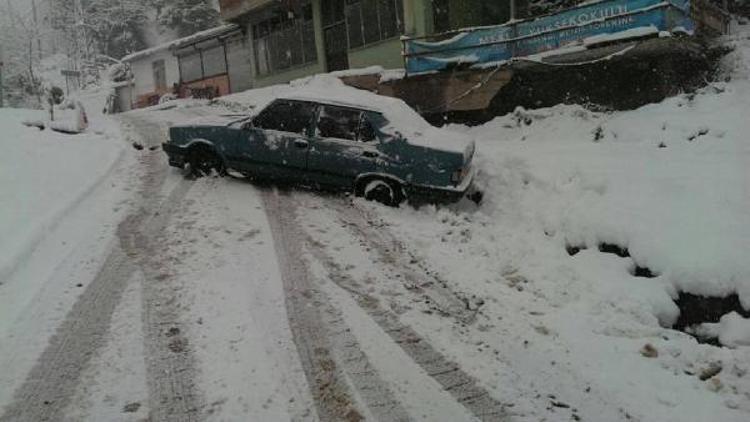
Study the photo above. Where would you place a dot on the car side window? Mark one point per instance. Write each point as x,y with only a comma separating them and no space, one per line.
338,122
366,130
286,116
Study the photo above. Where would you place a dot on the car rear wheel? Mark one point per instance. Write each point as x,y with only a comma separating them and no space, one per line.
203,161
386,192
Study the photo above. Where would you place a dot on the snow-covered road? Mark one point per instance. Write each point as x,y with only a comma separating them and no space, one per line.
212,300
139,294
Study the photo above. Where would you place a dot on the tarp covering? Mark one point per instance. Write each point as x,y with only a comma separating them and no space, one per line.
560,30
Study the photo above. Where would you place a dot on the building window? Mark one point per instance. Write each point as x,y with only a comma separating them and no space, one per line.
214,62
285,41
370,21
202,64
160,75
191,67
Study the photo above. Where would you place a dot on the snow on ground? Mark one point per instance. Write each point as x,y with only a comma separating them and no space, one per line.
42,175
61,197
670,183
557,336
219,251
561,335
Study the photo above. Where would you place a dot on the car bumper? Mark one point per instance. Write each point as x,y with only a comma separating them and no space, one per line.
444,193
177,155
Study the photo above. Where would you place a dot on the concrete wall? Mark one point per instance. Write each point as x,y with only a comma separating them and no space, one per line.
385,53
418,17
239,64
143,71
125,98
219,85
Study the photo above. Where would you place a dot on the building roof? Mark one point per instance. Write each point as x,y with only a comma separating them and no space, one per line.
182,42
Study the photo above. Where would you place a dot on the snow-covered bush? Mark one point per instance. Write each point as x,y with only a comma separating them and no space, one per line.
119,72
167,98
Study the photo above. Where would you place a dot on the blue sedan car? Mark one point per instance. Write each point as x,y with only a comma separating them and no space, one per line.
379,148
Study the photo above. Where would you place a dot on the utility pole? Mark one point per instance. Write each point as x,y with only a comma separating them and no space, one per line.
513,10
36,29
2,94
8,14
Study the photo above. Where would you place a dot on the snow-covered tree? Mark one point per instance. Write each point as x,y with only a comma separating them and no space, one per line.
116,25
187,16
21,83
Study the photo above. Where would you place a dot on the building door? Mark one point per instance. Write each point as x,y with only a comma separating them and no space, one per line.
335,35
441,15
160,75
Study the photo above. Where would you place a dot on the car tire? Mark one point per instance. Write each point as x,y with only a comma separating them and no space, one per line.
387,192
202,161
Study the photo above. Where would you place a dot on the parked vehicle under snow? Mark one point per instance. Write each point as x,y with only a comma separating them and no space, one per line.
375,146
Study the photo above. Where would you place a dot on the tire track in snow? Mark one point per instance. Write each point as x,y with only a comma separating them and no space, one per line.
399,260
463,387
170,363
51,384
329,352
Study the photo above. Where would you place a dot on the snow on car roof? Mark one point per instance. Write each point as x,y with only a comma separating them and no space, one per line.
331,90
403,119
325,101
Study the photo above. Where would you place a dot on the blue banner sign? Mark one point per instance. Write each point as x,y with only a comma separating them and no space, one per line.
568,29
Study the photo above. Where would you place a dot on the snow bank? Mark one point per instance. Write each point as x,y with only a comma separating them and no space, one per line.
669,183
732,330
42,175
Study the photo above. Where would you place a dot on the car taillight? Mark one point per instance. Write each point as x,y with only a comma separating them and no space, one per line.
459,175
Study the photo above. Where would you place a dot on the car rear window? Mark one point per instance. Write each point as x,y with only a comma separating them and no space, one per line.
344,123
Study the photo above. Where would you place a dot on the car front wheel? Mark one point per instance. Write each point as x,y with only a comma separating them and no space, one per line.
203,160
386,192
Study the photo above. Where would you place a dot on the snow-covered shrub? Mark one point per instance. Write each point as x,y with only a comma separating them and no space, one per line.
167,98
119,72
55,95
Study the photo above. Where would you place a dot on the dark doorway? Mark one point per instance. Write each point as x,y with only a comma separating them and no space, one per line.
441,15
335,35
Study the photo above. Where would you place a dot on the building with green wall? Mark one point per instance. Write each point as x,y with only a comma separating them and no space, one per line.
291,39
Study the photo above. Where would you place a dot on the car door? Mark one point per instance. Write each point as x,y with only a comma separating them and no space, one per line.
343,146
277,142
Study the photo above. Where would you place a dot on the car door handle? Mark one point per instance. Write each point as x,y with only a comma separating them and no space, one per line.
370,154
301,143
